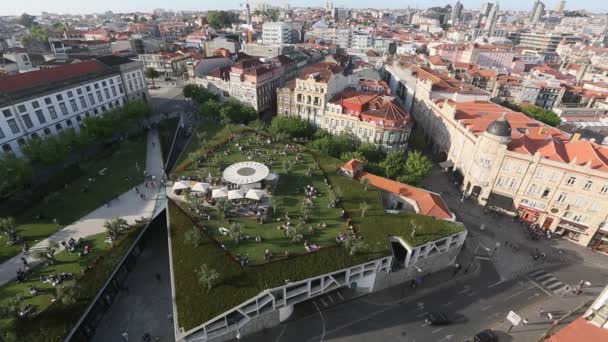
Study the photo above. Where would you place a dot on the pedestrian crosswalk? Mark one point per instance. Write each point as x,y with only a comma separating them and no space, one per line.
547,280
330,299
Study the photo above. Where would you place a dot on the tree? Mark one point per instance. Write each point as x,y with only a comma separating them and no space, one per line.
371,152
38,34
354,244
223,206
8,227
11,307
207,276
194,237
295,233
135,111
258,126
15,174
365,183
69,293
27,20
48,252
60,27
275,203
236,113
190,91
210,109
115,226
221,19
346,156
394,164
152,74
417,168
235,231
295,127
364,207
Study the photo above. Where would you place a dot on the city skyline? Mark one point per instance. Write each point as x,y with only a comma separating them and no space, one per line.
79,7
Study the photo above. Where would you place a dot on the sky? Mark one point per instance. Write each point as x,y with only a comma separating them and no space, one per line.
8,7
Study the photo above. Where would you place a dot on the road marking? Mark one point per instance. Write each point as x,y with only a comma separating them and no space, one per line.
496,284
535,273
323,301
422,314
556,285
540,287
449,303
547,281
536,294
486,308
471,294
518,293
436,330
543,277
463,291
340,295
281,333
322,321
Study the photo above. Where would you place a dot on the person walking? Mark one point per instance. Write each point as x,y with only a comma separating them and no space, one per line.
541,312
525,321
125,336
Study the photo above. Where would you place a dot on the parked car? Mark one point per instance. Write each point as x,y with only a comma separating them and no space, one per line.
437,318
486,336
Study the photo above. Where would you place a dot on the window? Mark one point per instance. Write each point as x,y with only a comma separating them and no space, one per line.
546,193
79,91
122,90
70,94
88,88
73,104
107,92
561,198
47,131
78,118
593,206
59,97
58,127
571,181
52,111
68,122
114,91
34,136
40,116
7,113
91,99
513,184
64,109
604,190
7,148
111,81
533,190
35,104
83,102
21,108
48,100
2,136
21,142
96,85
27,121
12,124
103,83
95,111
99,97
588,185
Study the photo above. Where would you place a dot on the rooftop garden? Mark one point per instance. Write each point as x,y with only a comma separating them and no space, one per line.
210,277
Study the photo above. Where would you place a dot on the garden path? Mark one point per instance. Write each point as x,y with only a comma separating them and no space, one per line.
128,205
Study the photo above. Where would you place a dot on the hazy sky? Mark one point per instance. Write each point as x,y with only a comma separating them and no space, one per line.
8,7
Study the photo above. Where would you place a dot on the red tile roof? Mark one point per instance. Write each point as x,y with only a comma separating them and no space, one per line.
352,165
429,203
35,78
580,331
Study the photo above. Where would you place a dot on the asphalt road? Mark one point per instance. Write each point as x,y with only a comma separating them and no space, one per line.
475,304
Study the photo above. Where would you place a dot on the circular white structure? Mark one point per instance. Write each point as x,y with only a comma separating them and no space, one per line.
245,173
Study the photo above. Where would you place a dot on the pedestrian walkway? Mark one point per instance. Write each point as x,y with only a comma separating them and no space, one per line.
547,280
128,205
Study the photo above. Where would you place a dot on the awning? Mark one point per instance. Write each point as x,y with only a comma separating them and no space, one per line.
446,164
217,193
254,194
572,226
181,185
236,194
501,201
201,187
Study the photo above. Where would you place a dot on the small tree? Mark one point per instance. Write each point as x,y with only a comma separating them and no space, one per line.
194,237
275,203
68,293
235,231
394,164
115,226
364,207
48,253
7,225
417,168
354,244
152,74
10,307
295,233
207,276
365,183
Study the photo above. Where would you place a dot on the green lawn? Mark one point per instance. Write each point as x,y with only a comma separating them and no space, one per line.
70,204
54,320
196,305
207,133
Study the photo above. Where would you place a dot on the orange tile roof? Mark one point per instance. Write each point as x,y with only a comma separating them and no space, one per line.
580,331
352,165
429,203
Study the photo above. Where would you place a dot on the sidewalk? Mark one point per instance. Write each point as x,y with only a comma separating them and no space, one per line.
539,324
128,206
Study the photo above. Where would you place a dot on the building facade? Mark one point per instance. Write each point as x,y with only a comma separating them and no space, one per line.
276,33
46,102
506,160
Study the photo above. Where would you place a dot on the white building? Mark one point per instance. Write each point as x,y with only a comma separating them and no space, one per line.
276,33
45,102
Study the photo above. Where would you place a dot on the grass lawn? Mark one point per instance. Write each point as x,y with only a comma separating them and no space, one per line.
208,133
70,204
166,132
197,305
54,320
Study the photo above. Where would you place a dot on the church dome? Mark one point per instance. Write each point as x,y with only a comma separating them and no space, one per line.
500,127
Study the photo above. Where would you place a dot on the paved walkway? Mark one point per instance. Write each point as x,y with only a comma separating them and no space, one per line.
128,206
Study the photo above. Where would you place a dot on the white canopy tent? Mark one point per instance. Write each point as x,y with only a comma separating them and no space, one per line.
271,176
217,193
236,194
255,194
181,185
201,187
245,173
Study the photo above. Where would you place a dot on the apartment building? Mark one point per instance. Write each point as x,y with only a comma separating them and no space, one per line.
544,41
487,56
506,160
168,64
276,33
45,102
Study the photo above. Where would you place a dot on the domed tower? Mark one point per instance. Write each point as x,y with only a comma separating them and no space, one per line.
489,152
